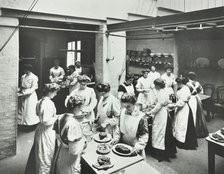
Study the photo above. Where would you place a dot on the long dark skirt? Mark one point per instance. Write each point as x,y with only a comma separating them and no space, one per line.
191,138
170,147
201,127
31,164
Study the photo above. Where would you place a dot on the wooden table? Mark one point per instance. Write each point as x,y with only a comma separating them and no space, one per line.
90,157
207,105
214,148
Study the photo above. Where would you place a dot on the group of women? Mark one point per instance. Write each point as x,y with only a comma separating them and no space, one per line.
60,139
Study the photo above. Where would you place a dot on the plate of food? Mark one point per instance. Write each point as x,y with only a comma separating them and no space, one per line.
103,163
103,148
102,137
122,149
217,137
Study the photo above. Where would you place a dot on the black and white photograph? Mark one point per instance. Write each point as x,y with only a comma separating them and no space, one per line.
111,86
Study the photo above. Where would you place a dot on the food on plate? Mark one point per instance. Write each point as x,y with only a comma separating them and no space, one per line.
218,137
103,148
222,131
103,160
122,149
102,135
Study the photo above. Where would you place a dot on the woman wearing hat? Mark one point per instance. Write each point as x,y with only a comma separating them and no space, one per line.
126,87
133,125
169,79
89,96
28,98
108,111
183,125
196,106
72,140
44,140
163,142
143,87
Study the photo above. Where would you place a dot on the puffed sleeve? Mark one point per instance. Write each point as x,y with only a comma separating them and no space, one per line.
115,112
74,132
51,75
183,97
62,73
142,135
93,101
33,87
48,114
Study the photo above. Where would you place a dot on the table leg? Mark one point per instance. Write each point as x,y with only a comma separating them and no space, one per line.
211,159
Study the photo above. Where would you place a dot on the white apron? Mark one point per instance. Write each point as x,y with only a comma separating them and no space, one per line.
182,115
45,136
27,104
160,120
129,89
129,126
105,110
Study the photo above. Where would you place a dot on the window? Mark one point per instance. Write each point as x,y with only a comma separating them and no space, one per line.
73,52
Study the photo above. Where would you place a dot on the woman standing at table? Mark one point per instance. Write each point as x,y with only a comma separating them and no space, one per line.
57,73
196,106
133,125
89,96
108,111
169,79
28,98
163,142
43,148
143,87
183,125
71,138
72,78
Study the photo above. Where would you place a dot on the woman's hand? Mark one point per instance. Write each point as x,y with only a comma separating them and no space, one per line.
134,152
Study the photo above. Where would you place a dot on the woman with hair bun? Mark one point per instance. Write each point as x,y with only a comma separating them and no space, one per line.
196,106
162,138
108,111
89,96
183,125
44,139
133,125
70,135
28,97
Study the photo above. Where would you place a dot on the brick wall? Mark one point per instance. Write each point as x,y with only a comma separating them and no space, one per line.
8,87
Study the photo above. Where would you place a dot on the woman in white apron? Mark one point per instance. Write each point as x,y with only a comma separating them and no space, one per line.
72,79
71,138
183,125
28,98
163,142
143,87
126,87
44,141
196,106
108,111
153,75
169,79
89,96
133,125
